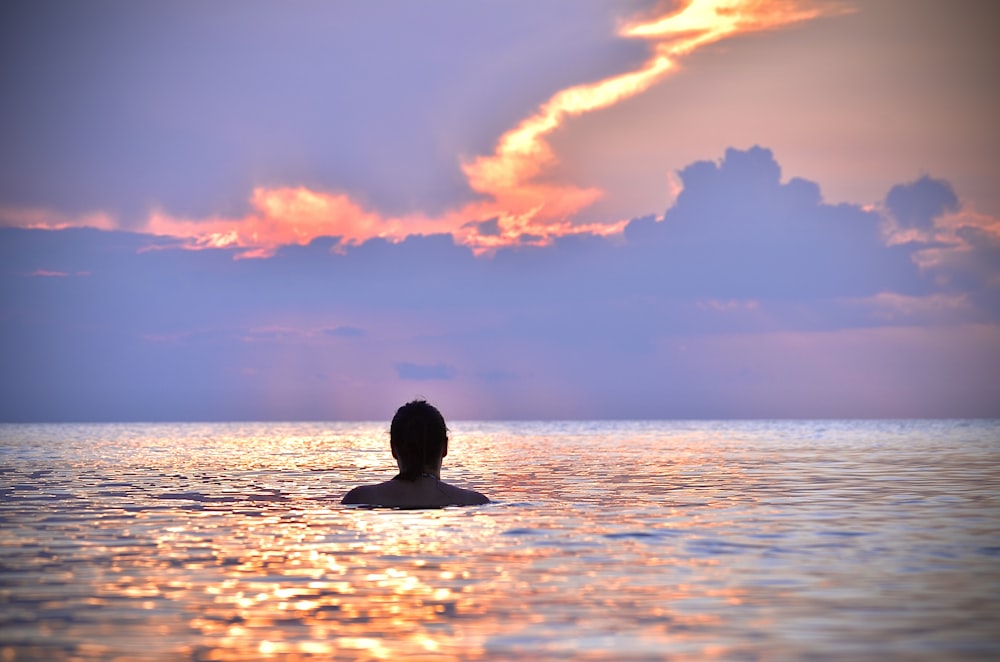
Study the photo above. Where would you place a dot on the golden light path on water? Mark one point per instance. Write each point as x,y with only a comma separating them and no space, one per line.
606,541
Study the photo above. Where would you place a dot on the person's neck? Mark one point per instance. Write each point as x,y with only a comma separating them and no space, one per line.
427,472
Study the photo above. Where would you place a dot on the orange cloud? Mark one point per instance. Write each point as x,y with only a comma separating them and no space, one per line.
526,209
282,216
47,273
521,154
952,236
47,219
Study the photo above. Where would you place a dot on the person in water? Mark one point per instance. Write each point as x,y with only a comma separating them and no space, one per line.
418,438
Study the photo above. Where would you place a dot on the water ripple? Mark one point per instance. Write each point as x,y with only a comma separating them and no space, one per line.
641,540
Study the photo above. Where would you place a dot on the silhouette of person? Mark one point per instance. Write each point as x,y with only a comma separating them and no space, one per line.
418,438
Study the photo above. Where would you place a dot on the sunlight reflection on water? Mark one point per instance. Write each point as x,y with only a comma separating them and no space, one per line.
606,541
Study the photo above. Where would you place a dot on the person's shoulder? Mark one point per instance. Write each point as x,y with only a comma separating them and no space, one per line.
362,494
354,495
463,497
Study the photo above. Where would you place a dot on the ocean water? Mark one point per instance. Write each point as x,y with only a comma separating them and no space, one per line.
606,541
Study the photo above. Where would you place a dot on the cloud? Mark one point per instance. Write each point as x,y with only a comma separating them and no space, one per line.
346,332
488,228
516,204
510,175
45,273
956,246
49,219
421,372
968,263
737,232
918,203
749,296
280,217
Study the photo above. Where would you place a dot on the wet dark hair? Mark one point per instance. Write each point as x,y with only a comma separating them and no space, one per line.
418,434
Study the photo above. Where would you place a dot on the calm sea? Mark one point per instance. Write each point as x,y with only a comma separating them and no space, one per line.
607,540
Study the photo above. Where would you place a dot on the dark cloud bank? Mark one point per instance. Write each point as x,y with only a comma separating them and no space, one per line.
750,297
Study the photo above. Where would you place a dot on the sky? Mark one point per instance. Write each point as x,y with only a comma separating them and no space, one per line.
515,209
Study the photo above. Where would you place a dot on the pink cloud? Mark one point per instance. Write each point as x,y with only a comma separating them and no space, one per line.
48,219
902,309
526,208
47,273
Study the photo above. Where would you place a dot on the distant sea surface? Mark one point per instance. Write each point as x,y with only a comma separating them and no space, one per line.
606,541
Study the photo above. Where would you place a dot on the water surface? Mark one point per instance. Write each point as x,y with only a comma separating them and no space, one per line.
608,540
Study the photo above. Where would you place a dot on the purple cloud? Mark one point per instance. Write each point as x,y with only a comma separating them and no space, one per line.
749,297
345,332
421,372
918,203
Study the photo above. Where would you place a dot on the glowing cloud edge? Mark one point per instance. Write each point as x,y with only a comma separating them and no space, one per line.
526,211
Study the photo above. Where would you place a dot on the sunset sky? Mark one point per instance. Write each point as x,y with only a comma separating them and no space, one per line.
516,209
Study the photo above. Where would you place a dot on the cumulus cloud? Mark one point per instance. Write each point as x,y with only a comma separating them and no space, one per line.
517,202
738,231
918,203
956,246
749,292
510,176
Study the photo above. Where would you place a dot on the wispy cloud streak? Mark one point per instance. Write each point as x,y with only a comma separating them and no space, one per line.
508,175
517,203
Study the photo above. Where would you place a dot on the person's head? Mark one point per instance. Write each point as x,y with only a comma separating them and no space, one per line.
419,439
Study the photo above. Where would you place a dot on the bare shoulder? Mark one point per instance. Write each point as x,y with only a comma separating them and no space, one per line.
462,497
363,494
422,494
356,495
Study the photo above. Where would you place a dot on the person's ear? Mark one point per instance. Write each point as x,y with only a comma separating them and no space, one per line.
444,451
394,456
